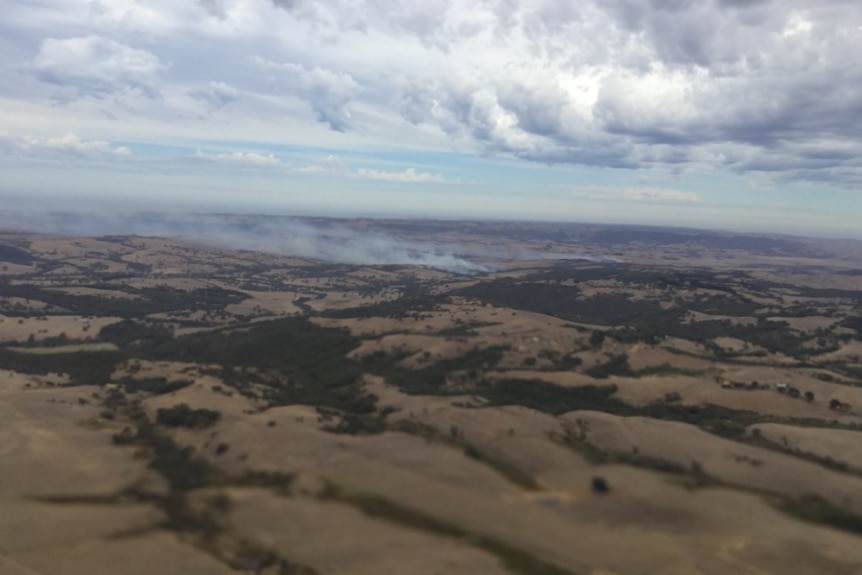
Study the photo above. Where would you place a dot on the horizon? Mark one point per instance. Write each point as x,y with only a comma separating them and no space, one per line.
368,241
39,221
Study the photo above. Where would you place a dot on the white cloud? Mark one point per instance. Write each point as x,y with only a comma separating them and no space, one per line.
636,194
215,7
69,145
72,144
408,176
759,88
215,95
331,165
328,92
248,159
96,67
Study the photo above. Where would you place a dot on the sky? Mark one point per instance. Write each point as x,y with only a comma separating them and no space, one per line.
724,114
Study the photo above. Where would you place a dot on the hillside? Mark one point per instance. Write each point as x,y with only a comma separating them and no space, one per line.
587,399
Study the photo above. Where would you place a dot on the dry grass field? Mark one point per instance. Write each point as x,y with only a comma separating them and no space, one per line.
587,400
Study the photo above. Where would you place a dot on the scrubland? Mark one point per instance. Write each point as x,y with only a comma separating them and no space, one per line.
683,405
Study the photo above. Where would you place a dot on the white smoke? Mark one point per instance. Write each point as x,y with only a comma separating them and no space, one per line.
320,239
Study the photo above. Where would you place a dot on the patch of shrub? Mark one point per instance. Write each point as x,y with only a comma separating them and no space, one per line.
516,560
178,465
599,484
154,385
83,367
184,416
550,398
617,365
129,331
306,364
15,255
431,380
815,509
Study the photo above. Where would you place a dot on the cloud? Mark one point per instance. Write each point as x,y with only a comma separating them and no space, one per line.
330,165
637,194
328,92
248,159
215,95
427,21
725,85
72,144
285,4
215,7
637,84
68,146
96,67
408,176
